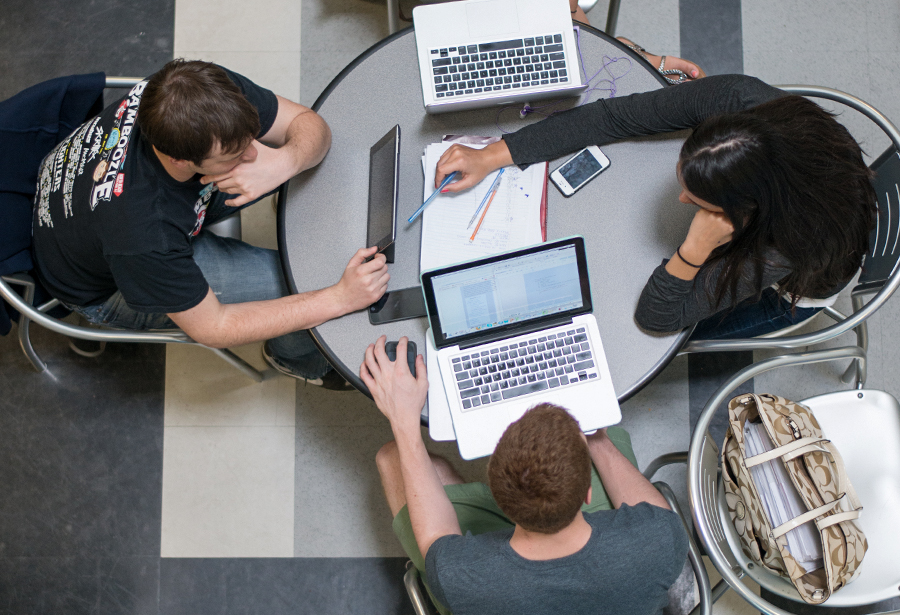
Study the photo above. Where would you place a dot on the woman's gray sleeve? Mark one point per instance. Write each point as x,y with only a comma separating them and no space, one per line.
668,303
664,110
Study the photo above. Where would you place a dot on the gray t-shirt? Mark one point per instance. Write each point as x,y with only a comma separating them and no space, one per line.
634,554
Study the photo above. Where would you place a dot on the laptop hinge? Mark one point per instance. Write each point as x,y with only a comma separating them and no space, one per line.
524,329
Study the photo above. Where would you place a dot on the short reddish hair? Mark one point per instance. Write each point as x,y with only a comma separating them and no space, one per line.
540,472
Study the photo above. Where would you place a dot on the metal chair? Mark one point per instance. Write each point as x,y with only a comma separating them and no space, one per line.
865,426
880,275
28,312
419,599
612,16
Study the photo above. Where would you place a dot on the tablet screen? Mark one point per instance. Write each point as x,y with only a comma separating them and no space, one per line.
383,175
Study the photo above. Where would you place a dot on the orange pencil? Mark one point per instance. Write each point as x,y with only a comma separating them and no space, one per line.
483,214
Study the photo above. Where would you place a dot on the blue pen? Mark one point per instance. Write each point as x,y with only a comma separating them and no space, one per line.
486,197
444,183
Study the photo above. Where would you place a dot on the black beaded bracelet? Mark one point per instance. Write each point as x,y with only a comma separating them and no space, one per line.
684,260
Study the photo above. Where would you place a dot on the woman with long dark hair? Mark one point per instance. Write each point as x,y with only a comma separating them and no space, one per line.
783,196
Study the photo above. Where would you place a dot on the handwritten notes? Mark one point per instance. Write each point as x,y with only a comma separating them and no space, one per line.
513,220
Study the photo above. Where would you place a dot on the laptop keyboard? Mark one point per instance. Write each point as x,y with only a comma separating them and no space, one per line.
522,63
550,359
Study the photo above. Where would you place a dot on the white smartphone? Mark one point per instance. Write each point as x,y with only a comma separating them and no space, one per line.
579,170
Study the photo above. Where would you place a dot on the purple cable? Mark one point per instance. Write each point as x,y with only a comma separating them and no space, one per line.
611,87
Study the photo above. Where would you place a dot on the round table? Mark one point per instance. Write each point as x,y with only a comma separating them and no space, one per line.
629,216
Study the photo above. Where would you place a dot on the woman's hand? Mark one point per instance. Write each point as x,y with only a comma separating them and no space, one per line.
473,165
708,231
687,67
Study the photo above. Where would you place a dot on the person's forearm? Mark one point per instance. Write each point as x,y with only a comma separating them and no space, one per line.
308,140
430,511
623,483
608,120
226,325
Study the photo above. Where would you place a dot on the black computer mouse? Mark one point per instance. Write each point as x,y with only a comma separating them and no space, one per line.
391,349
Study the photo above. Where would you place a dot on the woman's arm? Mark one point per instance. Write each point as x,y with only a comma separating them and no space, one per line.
664,110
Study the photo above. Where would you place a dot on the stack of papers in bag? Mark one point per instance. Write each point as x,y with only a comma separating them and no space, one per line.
512,221
780,499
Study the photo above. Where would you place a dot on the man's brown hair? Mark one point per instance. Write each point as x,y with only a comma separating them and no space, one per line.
540,472
188,107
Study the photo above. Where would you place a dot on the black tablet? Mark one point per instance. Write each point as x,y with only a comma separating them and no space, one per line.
384,175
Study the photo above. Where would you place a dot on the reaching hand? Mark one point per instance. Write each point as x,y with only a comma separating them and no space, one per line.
687,67
473,165
362,283
252,178
398,394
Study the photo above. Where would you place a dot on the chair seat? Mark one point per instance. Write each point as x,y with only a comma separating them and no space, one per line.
865,428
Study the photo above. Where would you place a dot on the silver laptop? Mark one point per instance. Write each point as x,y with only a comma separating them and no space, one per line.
480,53
514,330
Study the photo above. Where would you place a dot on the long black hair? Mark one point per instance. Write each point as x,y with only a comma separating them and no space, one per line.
790,178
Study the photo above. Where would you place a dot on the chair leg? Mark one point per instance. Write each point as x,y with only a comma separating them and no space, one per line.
857,368
27,348
612,17
238,363
393,15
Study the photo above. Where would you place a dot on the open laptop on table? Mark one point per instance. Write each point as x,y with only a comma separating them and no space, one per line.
514,330
479,53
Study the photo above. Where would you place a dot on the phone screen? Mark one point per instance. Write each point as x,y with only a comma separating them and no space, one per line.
398,305
580,168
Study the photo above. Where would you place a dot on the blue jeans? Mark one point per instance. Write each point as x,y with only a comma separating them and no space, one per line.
751,318
237,273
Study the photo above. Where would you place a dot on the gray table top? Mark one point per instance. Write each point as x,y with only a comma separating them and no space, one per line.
630,215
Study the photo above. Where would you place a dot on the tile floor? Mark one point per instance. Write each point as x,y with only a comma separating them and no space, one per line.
267,489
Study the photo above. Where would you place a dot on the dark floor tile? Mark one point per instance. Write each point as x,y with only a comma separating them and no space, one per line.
274,586
706,373
81,450
39,41
711,35
74,585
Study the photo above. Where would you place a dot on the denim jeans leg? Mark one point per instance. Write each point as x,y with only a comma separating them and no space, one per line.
752,318
237,273
114,312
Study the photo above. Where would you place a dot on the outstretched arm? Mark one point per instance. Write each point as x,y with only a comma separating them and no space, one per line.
607,120
220,325
401,397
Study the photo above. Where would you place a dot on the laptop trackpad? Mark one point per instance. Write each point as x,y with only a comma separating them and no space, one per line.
492,18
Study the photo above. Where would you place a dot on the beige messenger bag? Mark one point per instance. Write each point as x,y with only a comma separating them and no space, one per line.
789,496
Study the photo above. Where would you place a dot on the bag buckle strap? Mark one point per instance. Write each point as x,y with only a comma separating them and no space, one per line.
781,451
806,517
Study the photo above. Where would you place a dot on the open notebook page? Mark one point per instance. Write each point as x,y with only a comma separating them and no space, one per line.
513,219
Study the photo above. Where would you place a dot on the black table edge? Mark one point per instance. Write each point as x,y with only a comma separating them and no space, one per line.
338,365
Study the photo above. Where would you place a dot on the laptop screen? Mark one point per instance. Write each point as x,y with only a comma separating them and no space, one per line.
508,291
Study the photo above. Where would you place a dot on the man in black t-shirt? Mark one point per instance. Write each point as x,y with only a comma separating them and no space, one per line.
550,533
122,203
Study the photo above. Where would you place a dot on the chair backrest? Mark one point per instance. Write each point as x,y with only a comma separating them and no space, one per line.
884,242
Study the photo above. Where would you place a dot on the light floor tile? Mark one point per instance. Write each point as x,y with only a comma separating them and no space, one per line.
228,492
259,225
233,25
204,390
278,71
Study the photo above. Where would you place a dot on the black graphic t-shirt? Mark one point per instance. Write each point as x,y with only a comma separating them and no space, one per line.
109,217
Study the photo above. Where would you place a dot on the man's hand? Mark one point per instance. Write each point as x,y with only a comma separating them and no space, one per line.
398,394
472,164
687,67
363,283
253,178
